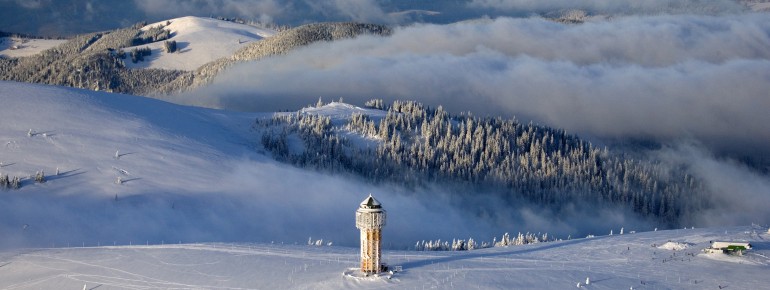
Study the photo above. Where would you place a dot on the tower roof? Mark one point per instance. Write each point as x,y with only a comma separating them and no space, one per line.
370,203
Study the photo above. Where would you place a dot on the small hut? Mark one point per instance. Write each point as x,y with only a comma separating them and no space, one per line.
733,248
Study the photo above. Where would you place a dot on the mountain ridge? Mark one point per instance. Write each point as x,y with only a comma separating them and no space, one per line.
102,61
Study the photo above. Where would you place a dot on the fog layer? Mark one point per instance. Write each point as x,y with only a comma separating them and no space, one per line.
613,6
262,201
67,17
662,77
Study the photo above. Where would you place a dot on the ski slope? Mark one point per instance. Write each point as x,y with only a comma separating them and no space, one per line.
630,261
199,41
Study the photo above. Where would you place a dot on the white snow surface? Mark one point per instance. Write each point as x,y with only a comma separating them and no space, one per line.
200,205
339,112
199,41
188,174
674,246
610,262
342,111
19,47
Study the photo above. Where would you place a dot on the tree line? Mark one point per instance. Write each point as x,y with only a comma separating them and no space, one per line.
416,145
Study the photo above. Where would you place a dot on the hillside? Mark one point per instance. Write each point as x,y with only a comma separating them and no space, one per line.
631,261
133,168
415,145
162,153
199,41
132,60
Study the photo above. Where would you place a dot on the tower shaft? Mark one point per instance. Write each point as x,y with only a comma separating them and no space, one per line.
371,242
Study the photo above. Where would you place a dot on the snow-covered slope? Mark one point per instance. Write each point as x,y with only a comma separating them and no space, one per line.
199,41
81,132
630,261
19,47
342,111
187,173
192,176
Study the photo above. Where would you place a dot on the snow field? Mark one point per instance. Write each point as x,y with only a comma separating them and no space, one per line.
674,246
610,262
199,41
20,47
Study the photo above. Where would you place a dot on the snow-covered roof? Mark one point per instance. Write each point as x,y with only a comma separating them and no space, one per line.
722,244
370,203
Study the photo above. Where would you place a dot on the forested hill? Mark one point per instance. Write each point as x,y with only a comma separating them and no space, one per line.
92,61
416,145
97,61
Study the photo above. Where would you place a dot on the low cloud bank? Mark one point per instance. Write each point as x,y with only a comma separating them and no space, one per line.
65,17
738,194
269,11
613,6
664,77
260,200
263,201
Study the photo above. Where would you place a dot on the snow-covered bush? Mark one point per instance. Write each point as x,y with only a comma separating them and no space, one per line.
169,46
318,243
15,183
40,177
5,183
470,244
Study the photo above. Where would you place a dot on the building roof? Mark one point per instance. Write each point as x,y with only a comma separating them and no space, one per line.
370,203
721,244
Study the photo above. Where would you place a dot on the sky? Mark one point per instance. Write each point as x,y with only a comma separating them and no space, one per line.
67,17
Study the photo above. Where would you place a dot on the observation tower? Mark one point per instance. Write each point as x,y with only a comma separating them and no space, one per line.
370,218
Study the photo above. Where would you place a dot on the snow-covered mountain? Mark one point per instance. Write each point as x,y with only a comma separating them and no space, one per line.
199,41
651,260
144,185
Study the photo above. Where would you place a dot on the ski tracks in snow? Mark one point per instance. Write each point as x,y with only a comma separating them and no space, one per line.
119,278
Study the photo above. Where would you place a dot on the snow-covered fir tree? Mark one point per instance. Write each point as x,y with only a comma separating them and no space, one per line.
418,145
